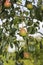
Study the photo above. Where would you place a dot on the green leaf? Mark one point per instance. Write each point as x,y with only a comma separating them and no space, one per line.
29,22
11,45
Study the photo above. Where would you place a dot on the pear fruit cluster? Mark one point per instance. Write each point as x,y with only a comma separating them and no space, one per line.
7,4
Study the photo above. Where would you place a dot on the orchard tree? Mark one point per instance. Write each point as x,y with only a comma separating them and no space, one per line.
17,19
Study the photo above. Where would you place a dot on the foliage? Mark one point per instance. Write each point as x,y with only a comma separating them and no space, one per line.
11,17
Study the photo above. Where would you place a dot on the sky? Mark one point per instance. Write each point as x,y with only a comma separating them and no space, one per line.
41,23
